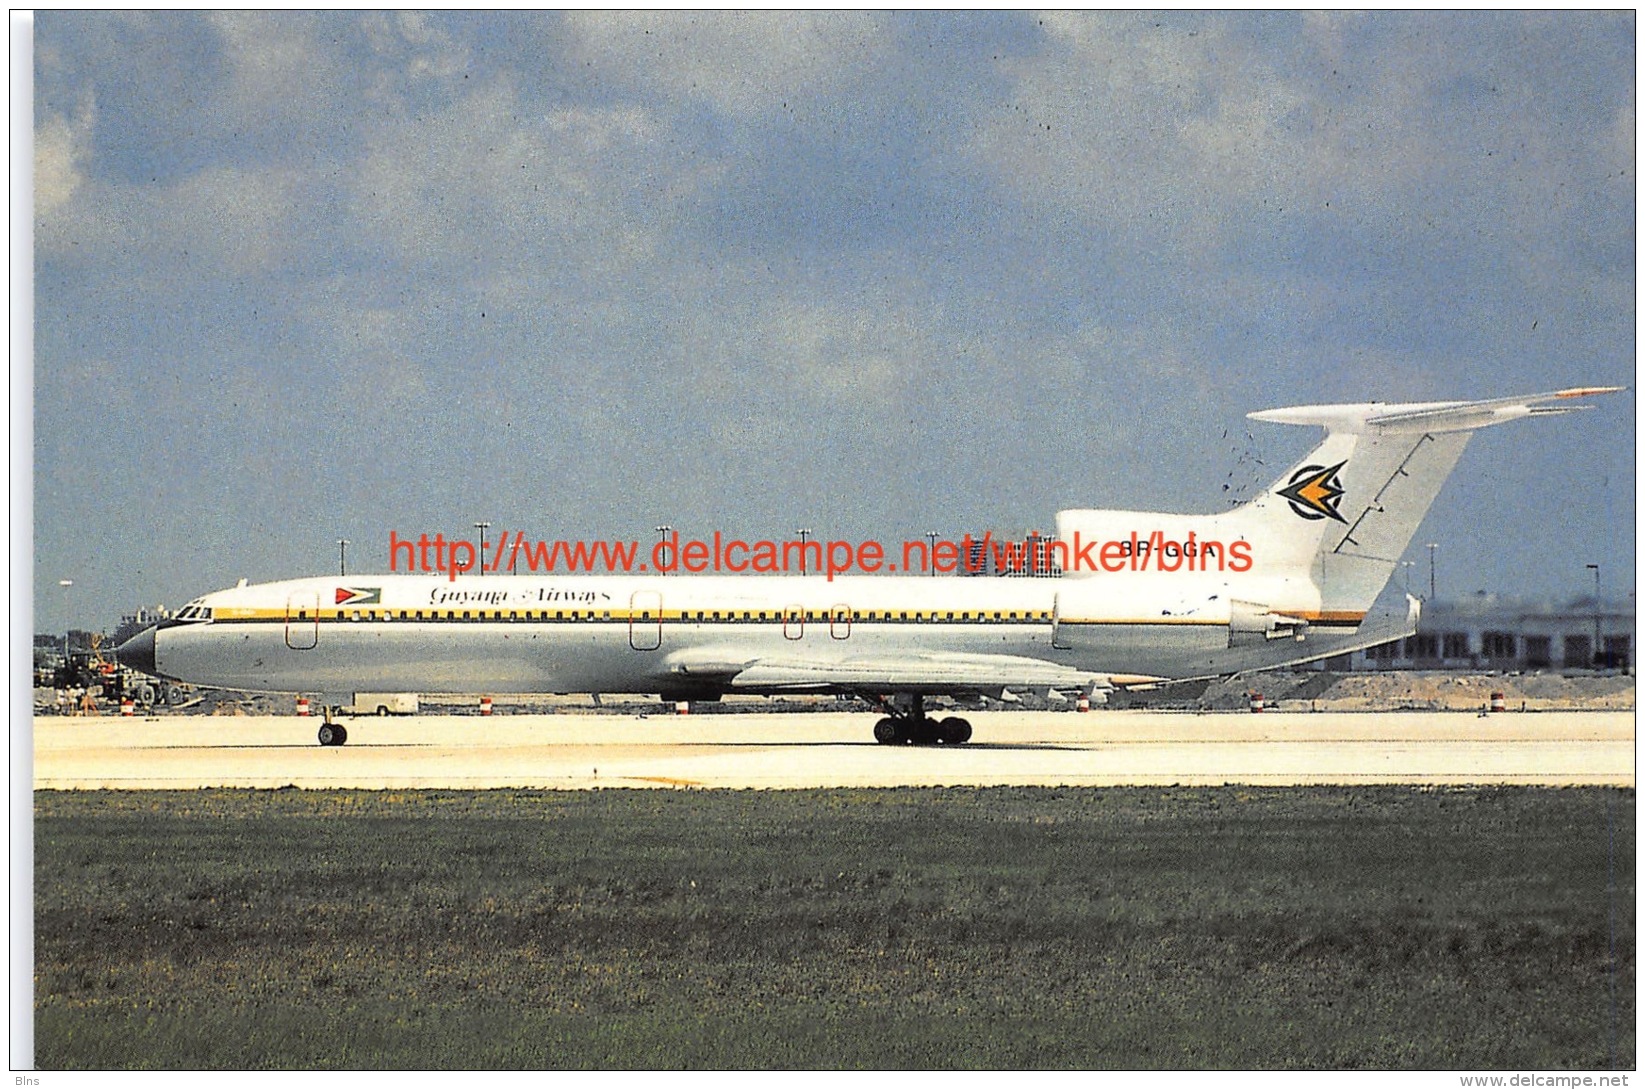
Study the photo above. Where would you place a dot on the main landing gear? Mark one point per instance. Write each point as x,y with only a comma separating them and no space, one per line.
902,726
332,733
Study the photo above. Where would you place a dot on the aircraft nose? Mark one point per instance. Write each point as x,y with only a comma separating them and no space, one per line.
138,652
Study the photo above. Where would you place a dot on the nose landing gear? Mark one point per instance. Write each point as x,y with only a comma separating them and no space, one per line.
332,733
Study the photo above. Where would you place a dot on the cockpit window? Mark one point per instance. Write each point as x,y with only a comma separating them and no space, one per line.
194,613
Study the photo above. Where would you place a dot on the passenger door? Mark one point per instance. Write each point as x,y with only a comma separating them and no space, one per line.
645,620
303,620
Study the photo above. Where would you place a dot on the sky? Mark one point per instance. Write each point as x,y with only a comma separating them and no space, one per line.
310,276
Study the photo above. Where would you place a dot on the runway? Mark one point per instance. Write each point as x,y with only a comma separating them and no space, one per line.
828,749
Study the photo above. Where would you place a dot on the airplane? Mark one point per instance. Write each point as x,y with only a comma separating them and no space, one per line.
1287,578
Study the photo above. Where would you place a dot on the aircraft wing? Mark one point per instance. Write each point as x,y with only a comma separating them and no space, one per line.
909,672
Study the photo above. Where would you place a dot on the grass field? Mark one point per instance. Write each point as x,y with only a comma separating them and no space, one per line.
954,928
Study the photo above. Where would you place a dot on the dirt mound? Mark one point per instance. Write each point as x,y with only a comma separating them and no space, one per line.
1434,691
1315,690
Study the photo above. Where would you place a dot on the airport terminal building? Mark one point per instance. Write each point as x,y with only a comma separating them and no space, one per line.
1485,632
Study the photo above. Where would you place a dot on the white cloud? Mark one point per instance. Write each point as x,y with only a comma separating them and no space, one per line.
1135,123
216,221
1124,118
278,68
61,145
744,63
494,180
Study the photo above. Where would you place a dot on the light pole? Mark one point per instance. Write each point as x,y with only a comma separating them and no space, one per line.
1597,659
66,584
662,535
804,534
480,566
931,550
1432,545
342,556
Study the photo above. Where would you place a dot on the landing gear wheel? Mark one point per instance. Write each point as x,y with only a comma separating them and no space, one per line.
924,732
889,732
333,734
954,731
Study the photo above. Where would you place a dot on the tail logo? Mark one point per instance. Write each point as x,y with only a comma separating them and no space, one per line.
1315,491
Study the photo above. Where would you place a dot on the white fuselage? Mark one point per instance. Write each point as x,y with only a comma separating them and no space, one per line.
480,634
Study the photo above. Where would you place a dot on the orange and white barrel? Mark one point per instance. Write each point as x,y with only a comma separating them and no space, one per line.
1256,702
1084,704
127,706
1499,702
682,707
302,705
485,705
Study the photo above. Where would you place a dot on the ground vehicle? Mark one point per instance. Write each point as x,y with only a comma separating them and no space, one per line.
383,704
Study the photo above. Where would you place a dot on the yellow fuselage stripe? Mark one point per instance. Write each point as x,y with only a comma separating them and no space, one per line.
894,616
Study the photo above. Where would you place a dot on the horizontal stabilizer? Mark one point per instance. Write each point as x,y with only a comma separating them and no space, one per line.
1431,416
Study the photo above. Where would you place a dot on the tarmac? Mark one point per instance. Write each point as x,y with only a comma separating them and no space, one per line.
832,749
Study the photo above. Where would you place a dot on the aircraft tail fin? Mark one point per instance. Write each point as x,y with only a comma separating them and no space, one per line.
1330,530
1370,483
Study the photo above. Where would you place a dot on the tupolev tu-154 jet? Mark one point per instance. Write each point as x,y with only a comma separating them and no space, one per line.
1287,578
